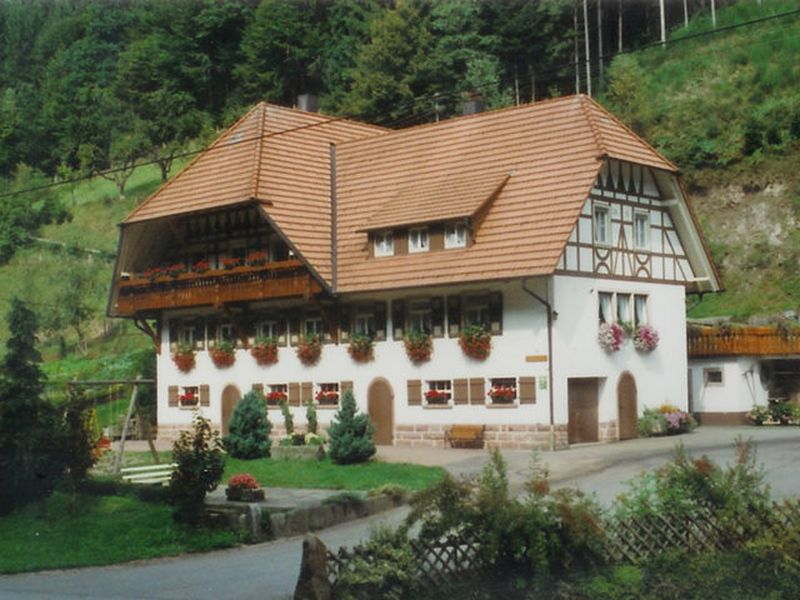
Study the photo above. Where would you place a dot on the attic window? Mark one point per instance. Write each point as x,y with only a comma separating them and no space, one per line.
455,234
418,240
384,243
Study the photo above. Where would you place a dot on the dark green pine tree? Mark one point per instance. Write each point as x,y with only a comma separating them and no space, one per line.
249,428
350,434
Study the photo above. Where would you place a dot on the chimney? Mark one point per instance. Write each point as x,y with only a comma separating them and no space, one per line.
308,102
474,104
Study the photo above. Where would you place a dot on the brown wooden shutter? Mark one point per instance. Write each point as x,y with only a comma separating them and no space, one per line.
172,395
496,313
414,392
436,237
437,316
398,319
460,391
380,321
199,333
294,394
477,391
344,386
344,323
527,390
453,315
205,396
306,392
173,334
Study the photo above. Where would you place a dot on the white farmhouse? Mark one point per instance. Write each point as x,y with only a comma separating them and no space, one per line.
521,231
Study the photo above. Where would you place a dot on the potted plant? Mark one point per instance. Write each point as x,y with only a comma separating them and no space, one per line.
475,341
645,339
243,487
223,354
256,258
265,351
327,397
361,348
309,350
184,358
610,336
419,346
502,394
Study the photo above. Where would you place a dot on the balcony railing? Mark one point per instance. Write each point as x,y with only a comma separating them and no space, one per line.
283,279
758,341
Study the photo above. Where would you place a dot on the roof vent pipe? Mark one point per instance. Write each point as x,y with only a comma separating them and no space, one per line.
473,105
308,102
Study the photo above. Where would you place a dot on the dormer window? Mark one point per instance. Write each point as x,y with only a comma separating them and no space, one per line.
455,235
384,243
418,240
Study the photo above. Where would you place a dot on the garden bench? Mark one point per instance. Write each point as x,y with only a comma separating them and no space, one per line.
465,435
150,474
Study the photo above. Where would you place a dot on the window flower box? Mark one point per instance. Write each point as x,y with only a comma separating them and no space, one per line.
184,358
437,397
275,398
361,348
231,263
265,351
475,342
419,347
223,355
502,394
257,258
188,398
327,397
201,266
309,350
175,270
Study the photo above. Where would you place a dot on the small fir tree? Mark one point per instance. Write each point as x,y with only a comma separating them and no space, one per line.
200,461
249,428
311,417
350,434
288,421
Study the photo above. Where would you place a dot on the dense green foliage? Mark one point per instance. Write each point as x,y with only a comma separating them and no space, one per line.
249,428
201,462
350,434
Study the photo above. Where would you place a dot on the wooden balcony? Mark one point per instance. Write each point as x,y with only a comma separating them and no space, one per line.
751,341
283,279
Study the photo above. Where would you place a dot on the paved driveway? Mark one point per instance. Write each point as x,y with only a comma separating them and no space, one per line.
270,570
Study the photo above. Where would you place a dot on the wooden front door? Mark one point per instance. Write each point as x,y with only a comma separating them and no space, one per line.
626,405
582,399
230,398
380,407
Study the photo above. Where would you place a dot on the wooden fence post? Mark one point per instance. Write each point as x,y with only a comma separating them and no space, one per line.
313,584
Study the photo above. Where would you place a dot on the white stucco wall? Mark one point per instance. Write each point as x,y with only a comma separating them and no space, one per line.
740,390
524,334
661,376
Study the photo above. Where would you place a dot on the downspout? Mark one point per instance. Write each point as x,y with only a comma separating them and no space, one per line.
551,316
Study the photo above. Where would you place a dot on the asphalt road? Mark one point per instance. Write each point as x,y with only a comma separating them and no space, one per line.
269,571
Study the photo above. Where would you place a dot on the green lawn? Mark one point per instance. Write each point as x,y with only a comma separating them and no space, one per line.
97,530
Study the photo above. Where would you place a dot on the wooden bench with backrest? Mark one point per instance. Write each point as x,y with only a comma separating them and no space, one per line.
149,474
465,435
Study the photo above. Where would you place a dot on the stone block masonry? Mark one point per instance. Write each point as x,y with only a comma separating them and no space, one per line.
512,436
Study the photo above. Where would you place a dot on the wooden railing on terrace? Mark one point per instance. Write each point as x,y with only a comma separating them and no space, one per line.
758,341
283,279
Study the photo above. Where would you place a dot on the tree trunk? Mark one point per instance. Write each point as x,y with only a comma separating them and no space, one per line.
586,42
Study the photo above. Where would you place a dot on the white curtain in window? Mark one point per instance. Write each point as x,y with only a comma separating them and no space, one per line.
640,309
623,308
605,308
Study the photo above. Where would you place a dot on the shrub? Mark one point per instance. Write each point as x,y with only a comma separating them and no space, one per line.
651,423
288,421
759,415
249,428
311,418
350,434
200,461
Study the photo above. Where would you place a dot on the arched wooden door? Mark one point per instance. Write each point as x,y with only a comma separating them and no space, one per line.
380,407
626,404
230,398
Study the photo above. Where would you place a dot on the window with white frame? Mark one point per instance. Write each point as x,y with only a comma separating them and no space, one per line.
327,394
439,392
606,314
267,329
187,334
641,230
455,234
601,221
502,390
277,393
624,316
418,240
476,311
640,310
713,376
313,326
624,309
364,323
384,243
225,332
420,316
189,397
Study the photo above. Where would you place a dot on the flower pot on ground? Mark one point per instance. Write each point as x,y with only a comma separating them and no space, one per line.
265,351
645,339
184,358
475,342
419,347
361,348
610,337
243,487
309,350
223,355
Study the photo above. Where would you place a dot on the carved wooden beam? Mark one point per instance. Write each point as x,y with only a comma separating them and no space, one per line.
154,334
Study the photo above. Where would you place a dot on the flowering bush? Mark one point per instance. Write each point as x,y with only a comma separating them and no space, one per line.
309,350
184,358
243,481
437,396
418,347
665,420
327,397
265,351
360,348
645,339
610,337
257,258
502,393
230,263
223,355
201,266
760,415
475,341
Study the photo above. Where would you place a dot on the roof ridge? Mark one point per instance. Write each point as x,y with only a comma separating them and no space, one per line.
639,138
200,155
259,145
598,138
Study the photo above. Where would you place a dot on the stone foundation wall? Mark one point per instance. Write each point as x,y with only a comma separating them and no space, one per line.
608,432
511,436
